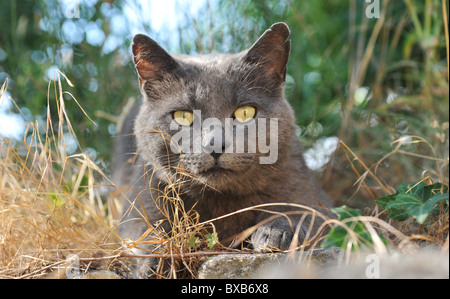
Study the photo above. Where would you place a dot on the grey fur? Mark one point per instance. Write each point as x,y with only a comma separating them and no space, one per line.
216,84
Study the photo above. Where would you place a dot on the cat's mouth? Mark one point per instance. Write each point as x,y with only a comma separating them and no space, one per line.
213,170
216,170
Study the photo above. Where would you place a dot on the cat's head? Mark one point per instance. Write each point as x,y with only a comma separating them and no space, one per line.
220,119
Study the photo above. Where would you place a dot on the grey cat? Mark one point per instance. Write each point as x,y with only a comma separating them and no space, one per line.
219,179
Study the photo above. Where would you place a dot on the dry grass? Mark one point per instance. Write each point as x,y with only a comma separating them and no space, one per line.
50,203
437,233
54,206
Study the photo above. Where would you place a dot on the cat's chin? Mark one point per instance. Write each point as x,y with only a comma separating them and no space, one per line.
220,179
219,173
216,173
217,178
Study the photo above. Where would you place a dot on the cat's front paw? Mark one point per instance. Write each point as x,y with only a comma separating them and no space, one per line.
274,235
142,268
145,268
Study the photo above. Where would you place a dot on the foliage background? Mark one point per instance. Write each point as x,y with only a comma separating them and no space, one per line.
366,81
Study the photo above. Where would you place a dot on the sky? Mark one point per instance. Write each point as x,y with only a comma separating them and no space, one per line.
164,16
11,124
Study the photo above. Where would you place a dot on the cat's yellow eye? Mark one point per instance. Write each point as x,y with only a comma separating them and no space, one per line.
245,113
184,118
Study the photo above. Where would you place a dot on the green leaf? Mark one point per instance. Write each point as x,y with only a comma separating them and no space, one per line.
438,198
421,213
58,200
193,240
407,205
385,200
394,212
345,212
414,188
419,202
339,236
212,240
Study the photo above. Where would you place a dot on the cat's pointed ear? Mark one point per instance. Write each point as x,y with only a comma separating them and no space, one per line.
151,60
271,51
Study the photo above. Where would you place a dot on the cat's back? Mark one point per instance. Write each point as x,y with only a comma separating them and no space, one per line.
125,149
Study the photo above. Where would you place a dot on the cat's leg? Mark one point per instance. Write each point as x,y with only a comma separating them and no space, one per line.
141,267
277,234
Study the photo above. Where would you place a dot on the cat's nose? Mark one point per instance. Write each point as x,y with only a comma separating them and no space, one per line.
216,155
213,142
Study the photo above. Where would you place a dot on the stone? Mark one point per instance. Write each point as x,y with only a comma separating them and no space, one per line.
241,266
233,266
421,263
329,263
